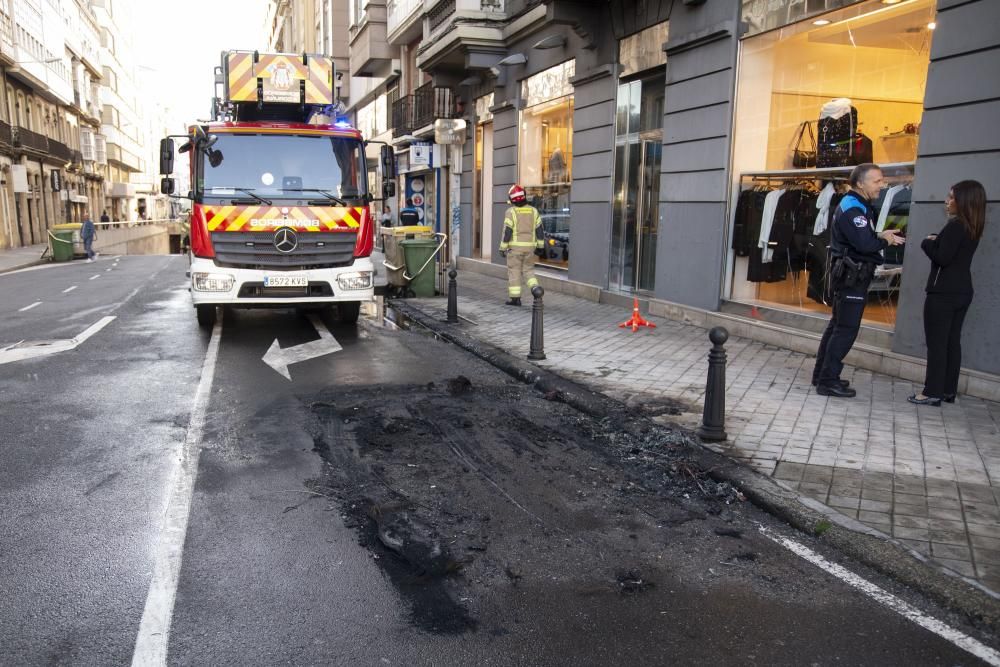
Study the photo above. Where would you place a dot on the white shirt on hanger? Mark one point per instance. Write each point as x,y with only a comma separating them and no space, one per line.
770,208
823,204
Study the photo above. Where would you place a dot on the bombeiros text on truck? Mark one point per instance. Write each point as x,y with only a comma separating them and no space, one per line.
279,185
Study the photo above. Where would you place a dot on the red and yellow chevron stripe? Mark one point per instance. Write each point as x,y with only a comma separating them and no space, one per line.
243,74
268,218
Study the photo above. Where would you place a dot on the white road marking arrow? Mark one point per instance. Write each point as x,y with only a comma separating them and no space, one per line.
280,359
44,348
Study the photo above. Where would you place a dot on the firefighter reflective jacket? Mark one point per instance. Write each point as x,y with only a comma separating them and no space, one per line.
522,228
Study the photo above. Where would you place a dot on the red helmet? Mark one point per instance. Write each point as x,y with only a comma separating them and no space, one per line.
516,194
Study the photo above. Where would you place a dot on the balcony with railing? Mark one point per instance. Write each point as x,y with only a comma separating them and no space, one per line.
431,102
415,112
27,140
402,20
6,136
60,152
461,30
402,116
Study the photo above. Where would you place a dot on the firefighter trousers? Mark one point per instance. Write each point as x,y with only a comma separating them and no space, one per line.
520,271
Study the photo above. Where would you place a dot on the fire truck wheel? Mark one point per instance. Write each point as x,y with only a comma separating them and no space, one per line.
206,316
349,312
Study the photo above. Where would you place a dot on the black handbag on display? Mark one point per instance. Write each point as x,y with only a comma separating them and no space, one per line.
835,143
863,151
803,158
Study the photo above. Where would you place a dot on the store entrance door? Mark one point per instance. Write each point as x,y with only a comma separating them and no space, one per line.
482,207
636,208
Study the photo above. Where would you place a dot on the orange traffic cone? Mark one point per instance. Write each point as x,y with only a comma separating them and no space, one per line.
636,320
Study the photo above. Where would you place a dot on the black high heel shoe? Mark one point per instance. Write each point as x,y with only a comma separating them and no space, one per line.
949,398
927,400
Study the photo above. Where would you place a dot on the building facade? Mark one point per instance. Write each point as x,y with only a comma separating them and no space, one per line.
73,136
651,133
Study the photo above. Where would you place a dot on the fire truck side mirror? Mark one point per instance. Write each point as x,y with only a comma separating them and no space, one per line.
388,189
167,156
167,185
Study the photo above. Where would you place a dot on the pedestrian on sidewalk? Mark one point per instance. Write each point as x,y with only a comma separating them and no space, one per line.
522,240
88,233
856,250
386,220
104,216
409,215
949,290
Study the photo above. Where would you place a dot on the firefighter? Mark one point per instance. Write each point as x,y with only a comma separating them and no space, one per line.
522,240
856,249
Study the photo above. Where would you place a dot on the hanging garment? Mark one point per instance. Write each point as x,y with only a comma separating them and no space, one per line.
823,205
746,225
767,220
884,205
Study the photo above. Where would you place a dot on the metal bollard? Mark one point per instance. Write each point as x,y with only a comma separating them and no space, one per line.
537,351
452,297
713,422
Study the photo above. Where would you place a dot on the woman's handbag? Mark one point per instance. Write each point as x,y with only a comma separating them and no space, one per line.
803,158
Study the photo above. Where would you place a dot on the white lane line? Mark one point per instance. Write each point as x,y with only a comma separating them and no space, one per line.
37,303
69,289
154,629
95,277
93,329
904,609
20,352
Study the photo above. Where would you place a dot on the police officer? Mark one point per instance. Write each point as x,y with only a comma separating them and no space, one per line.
409,215
522,240
856,249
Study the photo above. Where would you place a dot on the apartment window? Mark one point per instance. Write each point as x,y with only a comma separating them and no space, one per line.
357,11
100,149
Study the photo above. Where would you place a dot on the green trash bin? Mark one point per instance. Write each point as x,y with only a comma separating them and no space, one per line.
419,254
62,245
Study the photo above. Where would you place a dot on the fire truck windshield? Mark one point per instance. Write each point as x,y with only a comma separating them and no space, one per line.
283,166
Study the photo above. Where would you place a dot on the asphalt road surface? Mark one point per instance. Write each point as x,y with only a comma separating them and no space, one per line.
396,502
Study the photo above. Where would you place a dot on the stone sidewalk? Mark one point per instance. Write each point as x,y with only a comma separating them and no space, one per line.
928,477
19,258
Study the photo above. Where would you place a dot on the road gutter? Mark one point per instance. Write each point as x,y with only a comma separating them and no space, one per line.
866,545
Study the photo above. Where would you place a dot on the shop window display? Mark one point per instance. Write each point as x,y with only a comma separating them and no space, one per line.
816,98
545,161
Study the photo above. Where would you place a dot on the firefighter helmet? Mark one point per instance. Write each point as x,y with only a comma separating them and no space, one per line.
516,195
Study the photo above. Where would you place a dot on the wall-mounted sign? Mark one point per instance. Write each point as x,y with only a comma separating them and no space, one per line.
449,131
420,155
19,178
56,180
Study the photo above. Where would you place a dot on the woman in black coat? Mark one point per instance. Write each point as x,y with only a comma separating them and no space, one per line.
949,290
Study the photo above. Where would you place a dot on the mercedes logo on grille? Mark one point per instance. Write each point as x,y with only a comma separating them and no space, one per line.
286,240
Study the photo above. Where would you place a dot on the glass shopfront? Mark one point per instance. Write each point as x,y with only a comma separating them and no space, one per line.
635,220
815,98
545,160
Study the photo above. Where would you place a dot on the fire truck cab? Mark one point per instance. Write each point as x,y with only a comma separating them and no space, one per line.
279,185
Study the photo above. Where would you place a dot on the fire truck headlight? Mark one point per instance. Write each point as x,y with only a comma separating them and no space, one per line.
356,280
212,282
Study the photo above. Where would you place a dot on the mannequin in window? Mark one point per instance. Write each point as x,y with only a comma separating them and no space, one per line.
557,166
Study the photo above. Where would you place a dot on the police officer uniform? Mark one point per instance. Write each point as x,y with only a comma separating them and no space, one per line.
522,237
856,249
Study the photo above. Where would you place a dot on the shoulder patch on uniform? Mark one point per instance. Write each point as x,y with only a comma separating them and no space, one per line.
861,221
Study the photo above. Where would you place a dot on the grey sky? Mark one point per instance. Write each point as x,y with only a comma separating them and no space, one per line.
181,42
